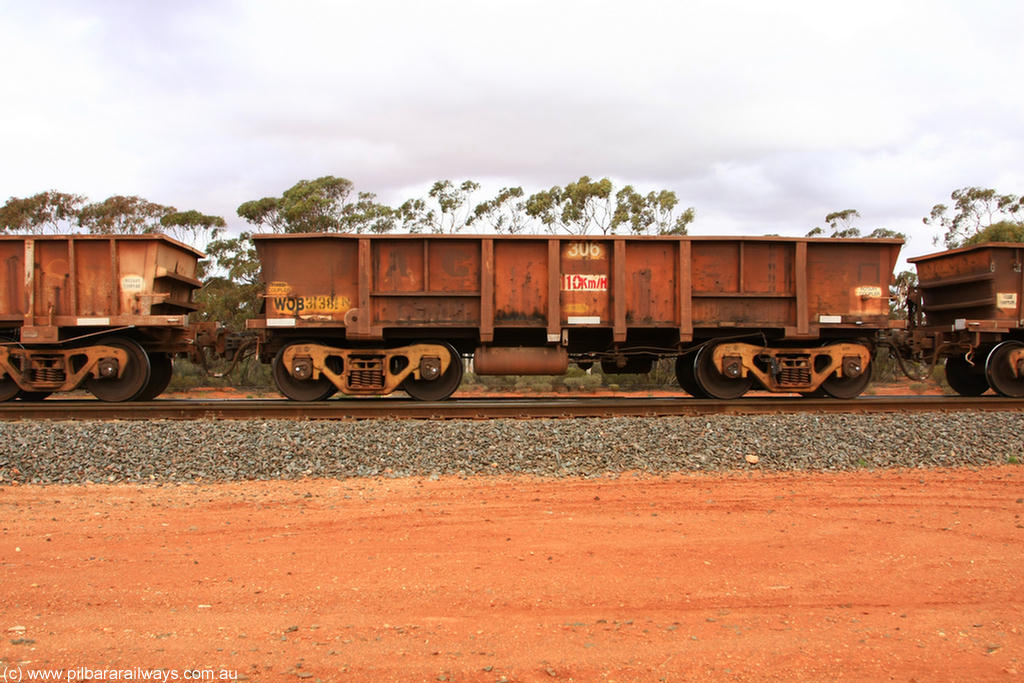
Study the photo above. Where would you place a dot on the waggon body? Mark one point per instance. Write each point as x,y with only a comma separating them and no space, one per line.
969,312
106,312
370,314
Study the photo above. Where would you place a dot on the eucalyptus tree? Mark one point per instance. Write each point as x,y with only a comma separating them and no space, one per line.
579,207
326,204
653,213
50,212
505,213
973,210
452,201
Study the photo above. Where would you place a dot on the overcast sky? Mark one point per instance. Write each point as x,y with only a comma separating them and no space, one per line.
764,116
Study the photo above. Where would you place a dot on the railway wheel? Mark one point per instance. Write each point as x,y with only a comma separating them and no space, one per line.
965,378
161,368
437,389
999,370
712,382
9,389
133,379
847,386
684,375
299,389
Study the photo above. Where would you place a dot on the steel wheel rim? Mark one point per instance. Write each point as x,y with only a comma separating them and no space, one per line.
715,384
299,389
964,378
438,389
684,375
131,382
9,389
847,387
161,370
998,372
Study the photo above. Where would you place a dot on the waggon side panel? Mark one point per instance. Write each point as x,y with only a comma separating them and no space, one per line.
520,277
981,286
95,295
426,282
369,284
652,294
585,282
851,281
313,280
51,284
65,282
743,284
13,301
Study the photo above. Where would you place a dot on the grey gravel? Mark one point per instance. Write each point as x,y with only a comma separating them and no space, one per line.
176,451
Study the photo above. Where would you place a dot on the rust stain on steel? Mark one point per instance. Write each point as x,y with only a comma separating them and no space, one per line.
520,279
650,296
399,267
487,292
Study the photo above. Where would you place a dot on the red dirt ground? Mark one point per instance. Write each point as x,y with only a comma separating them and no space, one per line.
869,576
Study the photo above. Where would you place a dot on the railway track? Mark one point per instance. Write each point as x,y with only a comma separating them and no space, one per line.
485,408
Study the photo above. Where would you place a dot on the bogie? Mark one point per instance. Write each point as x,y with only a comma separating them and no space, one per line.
313,371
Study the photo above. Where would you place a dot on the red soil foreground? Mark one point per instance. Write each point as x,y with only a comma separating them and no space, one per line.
874,576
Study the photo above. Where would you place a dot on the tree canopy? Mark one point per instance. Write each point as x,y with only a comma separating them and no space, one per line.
1003,231
325,204
54,212
654,213
583,206
841,223
586,205
231,293
974,210
47,212
505,213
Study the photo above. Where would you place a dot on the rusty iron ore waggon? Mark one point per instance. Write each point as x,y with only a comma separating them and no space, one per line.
106,313
369,315
968,310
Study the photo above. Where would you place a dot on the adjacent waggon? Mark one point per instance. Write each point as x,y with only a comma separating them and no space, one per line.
369,315
106,313
968,310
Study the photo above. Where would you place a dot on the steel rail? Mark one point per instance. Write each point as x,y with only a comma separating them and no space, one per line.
485,408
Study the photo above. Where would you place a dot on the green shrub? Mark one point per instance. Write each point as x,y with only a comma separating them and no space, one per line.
248,374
